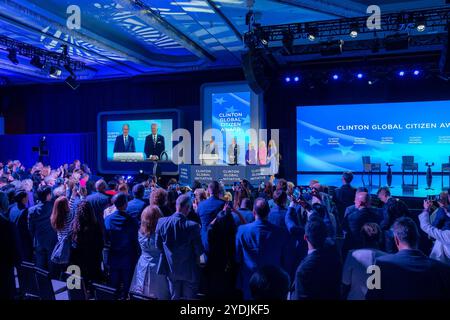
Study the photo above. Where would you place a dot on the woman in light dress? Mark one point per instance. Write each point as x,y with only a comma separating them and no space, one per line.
273,157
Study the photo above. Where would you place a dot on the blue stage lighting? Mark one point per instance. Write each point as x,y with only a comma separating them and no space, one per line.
335,77
416,72
287,79
401,73
296,79
359,75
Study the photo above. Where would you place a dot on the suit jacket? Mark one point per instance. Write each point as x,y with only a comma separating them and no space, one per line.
353,223
19,216
121,234
39,225
343,198
135,208
99,203
207,211
277,216
150,148
318,277
179,241
119,144
233,154
258,244
410,275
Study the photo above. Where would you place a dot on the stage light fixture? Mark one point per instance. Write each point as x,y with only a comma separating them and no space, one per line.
72,82
416,72
287,79
311,33
401,73
354,29
335,77
296,79
55,72
359,75
36,62
421,24
12,56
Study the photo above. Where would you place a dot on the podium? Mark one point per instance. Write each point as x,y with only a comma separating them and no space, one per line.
128,156
209,159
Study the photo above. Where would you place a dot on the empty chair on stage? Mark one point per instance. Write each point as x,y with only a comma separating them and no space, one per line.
369,168
408,164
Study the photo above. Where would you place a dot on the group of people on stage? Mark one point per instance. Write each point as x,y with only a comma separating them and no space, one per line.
262,155
154,143
263,243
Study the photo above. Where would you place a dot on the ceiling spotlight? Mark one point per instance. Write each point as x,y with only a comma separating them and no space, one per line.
296,79
421,24
55,72
401,73
354,29
359,75
416,72
311,33
36,62
12,56
335,77
72,82
287,79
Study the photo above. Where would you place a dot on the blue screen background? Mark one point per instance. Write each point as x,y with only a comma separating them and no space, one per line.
322,147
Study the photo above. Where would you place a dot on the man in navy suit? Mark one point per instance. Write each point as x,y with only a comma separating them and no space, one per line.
18,214
179,241
259,244
124,142
409,274
208,209
345,195
121,234
278,212
137,205
154,144
99,200
44,237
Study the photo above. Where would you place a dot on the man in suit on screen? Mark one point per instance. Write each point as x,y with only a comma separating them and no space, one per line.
124,142
154,144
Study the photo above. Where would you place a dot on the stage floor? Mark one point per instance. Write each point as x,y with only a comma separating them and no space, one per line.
396,187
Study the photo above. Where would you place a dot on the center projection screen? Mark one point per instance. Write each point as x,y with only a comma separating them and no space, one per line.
334,138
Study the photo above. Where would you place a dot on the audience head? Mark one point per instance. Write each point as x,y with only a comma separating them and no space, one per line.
44,193
84,220
101,186
347,177
158,197
280,198
268,189
384,193
112,185
149,220
371,235
138,191
313,182
200,195
261,209
183,204
362,200
59,213
406,235
123,188
269,283
444,198
120,201
21,196
246,203
228,197
281,185
315,233
214,189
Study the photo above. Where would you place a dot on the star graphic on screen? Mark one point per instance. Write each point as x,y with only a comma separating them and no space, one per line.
247,119
344,150
313,141
220,100
231,109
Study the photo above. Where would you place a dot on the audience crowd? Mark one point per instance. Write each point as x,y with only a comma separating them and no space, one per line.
272,242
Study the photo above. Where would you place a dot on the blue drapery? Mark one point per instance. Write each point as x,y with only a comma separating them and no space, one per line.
63,148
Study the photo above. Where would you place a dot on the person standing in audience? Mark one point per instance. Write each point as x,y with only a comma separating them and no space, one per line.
99,200
18,214
318,276
278,212
409,274
354,221
61,221
159,197
180,242
258,244
87,243
352,207
354,275
146,281
393,209
245,211
441,248
121,234
344,196
199,196
208,210
44,237
442,216
269,283
137,205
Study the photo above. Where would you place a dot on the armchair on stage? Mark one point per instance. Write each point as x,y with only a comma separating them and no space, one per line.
408,164
369,168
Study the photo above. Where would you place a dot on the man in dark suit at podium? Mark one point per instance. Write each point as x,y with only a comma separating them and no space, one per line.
124,142
154,144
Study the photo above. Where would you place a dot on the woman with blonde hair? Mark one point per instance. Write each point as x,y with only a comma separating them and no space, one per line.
273,157
145,280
